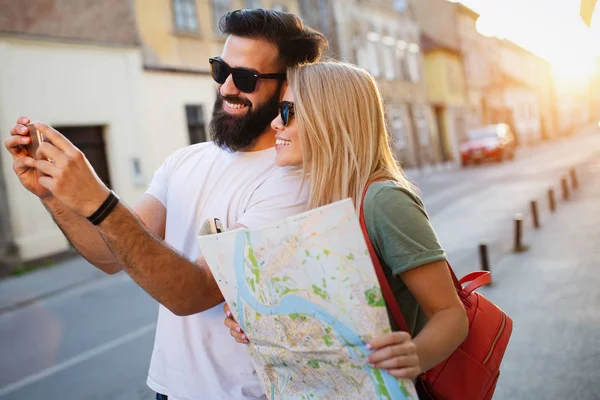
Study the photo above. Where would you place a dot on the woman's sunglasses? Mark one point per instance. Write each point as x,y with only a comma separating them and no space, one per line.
244,79
286,111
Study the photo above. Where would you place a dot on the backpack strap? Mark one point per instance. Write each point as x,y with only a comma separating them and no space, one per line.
386,289
477,279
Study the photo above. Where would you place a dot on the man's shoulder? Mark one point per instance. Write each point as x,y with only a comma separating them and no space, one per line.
191,153
284,176
195,148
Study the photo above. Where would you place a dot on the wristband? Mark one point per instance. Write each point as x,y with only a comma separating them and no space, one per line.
102,212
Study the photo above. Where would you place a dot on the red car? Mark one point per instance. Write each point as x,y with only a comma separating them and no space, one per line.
496,142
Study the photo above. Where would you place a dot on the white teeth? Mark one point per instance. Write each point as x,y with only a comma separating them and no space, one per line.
234,106
281,142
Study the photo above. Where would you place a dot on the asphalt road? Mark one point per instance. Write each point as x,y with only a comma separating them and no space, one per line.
93,340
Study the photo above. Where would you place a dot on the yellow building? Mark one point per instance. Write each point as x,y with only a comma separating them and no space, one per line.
447,93
182,34
178,37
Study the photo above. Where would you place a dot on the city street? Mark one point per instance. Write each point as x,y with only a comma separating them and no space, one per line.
72,333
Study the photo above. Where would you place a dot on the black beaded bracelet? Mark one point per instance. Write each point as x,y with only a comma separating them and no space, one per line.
102,212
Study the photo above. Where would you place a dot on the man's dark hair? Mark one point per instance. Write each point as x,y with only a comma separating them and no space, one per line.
297,43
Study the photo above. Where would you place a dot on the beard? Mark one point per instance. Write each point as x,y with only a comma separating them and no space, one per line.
234,133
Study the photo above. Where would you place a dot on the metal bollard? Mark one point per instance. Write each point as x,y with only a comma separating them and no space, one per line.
483,257
574,181
551,200
534,214
565,188
519,234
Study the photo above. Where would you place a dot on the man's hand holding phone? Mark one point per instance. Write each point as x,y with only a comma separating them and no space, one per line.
23,148
69,177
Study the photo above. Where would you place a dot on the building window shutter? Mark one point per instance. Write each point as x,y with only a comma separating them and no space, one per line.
195,122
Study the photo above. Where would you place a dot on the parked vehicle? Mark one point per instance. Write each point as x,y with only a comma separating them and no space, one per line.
496,142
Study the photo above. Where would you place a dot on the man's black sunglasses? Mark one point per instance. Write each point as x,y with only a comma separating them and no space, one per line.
286,111
244,79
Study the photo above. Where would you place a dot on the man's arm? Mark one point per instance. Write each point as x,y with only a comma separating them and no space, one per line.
124,241
83,236
86,238
136,242
184,287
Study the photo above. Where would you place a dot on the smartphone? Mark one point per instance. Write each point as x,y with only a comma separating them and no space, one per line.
218,225
36,139
212,226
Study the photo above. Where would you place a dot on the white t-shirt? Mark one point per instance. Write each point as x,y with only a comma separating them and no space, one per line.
194,357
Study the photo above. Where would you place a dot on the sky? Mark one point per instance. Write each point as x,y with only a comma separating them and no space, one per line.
552,29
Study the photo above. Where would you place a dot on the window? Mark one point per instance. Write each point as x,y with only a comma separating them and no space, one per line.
413,64
251,4
220,8
372,52
184,13
422,126
396,116
388,44
373,59
400,5
357,47
195,123
401,63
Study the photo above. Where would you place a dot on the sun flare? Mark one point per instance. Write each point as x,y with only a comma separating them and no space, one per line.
552,29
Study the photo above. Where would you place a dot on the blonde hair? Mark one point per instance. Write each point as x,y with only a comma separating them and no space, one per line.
341,126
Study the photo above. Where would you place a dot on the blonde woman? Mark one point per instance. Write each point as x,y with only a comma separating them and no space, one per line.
332,124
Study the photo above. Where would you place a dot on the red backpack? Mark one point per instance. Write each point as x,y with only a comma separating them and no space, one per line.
472,371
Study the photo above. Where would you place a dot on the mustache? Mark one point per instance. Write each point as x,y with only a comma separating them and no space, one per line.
235,100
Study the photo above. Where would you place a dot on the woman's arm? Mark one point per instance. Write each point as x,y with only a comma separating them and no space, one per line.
405,241
447,325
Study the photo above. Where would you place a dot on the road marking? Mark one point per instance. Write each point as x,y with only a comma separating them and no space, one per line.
31,379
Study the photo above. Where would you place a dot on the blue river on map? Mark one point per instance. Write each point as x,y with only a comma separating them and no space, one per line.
290,304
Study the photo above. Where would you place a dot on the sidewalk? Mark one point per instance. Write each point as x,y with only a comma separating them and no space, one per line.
552,293
20,291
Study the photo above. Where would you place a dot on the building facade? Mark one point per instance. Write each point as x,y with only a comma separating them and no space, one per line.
478,63
319,15
78,69
447,94
456,105
522,93
383,37
574,109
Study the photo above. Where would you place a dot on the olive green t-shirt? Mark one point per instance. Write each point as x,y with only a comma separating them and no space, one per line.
403,238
